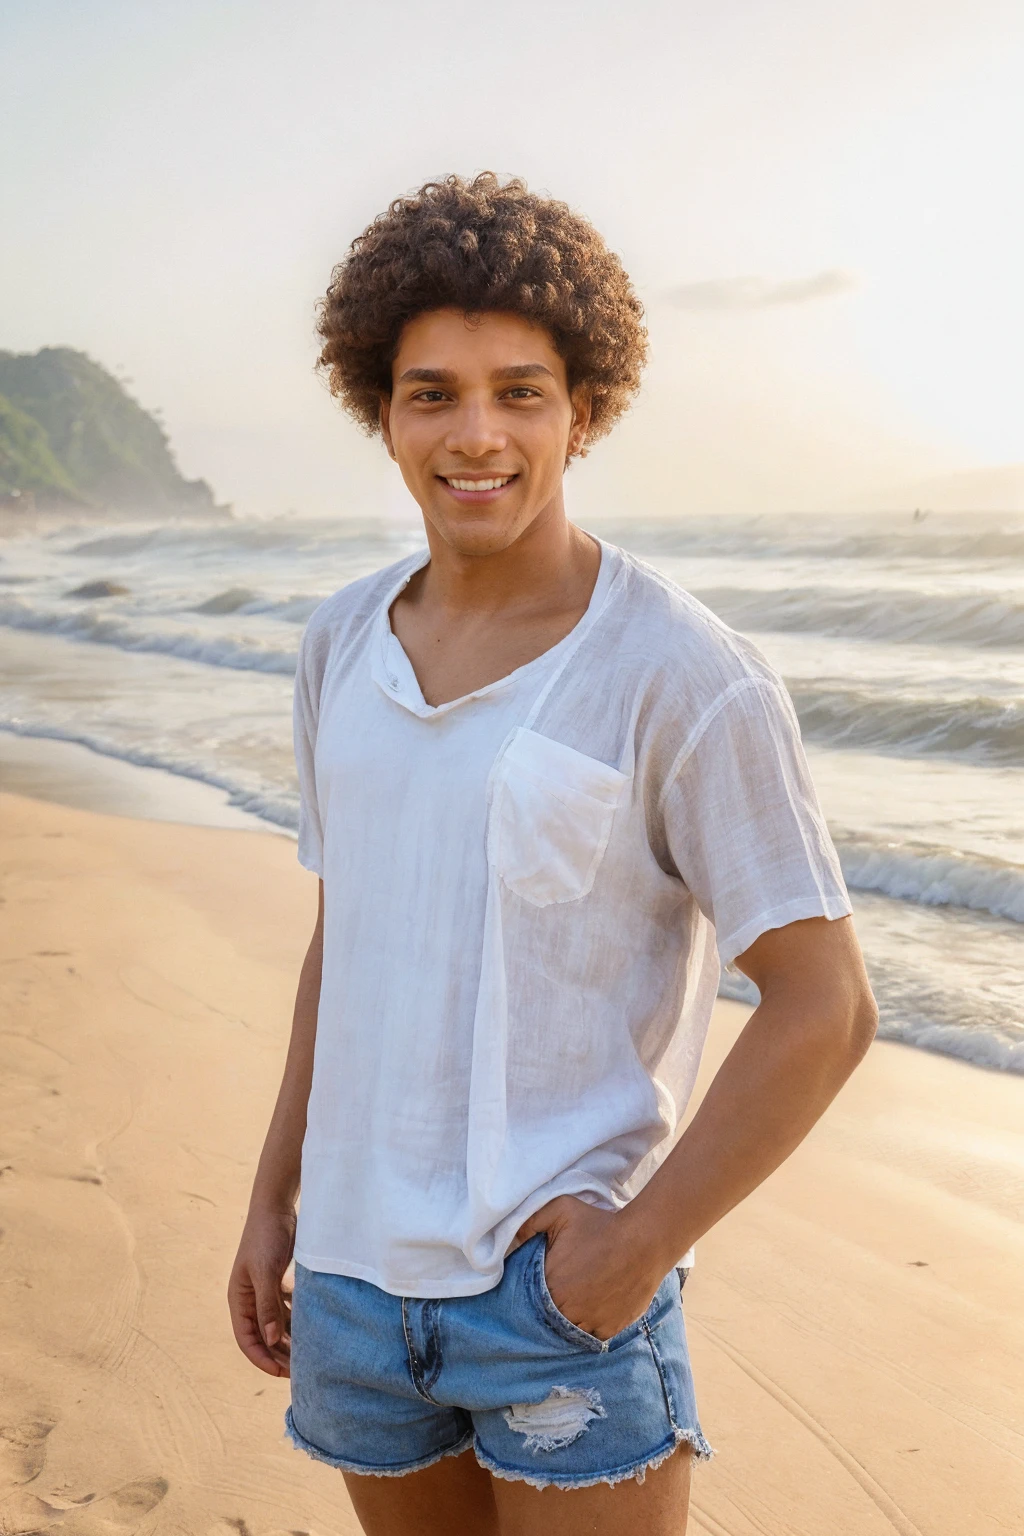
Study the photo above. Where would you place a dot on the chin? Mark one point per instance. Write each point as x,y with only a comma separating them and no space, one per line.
479,535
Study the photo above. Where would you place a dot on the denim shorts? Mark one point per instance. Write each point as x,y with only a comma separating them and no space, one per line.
385,1385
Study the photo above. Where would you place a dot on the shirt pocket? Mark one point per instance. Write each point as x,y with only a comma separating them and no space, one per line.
551,816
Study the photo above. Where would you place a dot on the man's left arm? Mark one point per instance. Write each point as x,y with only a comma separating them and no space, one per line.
814,1023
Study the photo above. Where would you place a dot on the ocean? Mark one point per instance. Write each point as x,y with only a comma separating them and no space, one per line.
900,639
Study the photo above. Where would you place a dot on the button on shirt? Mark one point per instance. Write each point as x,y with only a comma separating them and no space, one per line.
528,895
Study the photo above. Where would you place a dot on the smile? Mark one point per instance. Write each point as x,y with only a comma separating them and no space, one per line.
495,483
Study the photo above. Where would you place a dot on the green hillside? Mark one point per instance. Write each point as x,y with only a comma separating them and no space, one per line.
27,462
70,434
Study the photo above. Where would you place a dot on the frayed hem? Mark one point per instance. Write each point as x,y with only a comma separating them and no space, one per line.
702,1451
691,1437
300,1443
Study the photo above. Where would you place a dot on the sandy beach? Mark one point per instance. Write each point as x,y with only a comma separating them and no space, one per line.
856,1326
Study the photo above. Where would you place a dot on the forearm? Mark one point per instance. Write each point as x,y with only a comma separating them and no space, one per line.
276,1185
782,1073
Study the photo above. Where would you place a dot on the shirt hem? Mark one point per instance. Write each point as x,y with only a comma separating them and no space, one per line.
831,907
353,1271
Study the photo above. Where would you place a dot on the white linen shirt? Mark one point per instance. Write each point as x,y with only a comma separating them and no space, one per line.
528,893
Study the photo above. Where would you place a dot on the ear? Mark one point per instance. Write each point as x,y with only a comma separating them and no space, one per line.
582,404
385,424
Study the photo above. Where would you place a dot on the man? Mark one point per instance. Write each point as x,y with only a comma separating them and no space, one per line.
547,794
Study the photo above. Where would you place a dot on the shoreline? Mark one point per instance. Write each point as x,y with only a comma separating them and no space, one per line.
854,1325
62,772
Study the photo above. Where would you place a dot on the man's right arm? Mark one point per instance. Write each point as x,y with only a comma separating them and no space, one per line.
259,1307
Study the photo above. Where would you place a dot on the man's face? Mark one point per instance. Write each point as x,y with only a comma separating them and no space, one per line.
480,423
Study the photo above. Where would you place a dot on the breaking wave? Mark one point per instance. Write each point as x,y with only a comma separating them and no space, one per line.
980,730
971,619
949,537
284,536
111,629
933,877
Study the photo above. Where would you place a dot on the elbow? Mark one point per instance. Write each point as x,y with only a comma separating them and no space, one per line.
845,1025
863,1022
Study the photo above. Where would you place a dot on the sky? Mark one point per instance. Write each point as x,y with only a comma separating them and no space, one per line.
820,207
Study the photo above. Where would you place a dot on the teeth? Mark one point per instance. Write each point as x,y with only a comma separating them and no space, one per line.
477,485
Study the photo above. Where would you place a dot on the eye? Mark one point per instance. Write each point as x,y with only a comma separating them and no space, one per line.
522,392
429,395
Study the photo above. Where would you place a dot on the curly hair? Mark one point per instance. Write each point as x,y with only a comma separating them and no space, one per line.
482,246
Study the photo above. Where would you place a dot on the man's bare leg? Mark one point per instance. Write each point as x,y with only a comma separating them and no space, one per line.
656,1507
456,1497
452,1498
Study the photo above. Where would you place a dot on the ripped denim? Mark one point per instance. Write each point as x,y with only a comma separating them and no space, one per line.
384,1385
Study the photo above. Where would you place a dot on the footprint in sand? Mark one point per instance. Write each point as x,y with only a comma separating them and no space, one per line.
25,1514
23,1449
114,1514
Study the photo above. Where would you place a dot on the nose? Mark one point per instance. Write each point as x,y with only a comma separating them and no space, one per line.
475,430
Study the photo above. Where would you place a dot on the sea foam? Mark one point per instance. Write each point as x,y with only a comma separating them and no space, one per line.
280,810
912,1011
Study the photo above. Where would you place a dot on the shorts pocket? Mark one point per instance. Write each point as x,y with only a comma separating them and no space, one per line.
551,816
560,1324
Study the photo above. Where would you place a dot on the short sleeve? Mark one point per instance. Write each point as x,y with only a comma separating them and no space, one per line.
305,719
742,821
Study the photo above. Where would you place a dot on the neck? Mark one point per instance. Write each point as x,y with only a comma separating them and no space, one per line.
549,557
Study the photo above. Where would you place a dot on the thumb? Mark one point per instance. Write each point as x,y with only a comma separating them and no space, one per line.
547,1219
269,1310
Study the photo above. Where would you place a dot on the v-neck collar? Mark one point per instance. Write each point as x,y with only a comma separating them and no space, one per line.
394,672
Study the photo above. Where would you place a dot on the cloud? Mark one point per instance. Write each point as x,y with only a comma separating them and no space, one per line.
759,292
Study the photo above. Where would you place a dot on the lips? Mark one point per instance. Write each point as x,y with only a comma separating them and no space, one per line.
477,488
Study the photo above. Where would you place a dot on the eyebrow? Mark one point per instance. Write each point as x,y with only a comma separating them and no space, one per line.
447,376
427,376
521,371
